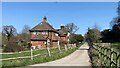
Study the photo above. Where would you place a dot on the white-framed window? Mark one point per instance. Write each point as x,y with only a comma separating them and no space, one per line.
68,34
44,32
35,33
56,34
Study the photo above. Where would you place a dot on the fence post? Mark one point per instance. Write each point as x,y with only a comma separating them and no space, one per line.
59,46
118,61
31,53
99,52
65,47
48,51
111,56
48,47
105,56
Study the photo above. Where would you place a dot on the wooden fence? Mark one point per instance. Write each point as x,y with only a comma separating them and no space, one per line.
31,56
105,57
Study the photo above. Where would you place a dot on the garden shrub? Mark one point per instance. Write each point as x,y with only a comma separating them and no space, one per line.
13,47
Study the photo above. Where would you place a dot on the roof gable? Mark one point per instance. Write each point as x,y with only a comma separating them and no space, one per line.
63,32
43,25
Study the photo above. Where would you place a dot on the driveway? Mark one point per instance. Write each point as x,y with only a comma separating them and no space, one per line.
78,58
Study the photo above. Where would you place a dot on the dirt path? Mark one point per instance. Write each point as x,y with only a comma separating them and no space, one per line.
78,58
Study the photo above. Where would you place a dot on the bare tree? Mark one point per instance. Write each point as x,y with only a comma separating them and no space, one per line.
116,21
26,29
9,31
71,27
25,35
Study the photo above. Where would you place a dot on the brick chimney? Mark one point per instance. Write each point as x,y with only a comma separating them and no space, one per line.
62,26
44,19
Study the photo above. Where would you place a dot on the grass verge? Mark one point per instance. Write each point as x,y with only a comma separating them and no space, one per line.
116,46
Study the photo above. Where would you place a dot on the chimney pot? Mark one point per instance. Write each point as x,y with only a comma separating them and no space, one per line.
62,26
44,19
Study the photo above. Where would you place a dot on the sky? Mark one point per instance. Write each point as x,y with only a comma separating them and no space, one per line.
60,0
82,14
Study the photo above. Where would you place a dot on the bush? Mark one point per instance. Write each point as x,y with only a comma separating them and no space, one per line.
25,45
116,46
76,38
13,47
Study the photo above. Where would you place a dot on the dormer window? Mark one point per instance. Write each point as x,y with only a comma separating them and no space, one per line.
44,32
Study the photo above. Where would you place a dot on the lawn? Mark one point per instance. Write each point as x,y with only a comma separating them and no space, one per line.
116,46
22,54
38,59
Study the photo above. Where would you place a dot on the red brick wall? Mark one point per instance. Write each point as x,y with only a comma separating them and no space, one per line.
63,38
32,35
36,43
51,36
55,44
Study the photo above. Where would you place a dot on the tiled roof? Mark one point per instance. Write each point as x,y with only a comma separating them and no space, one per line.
62,32
43,25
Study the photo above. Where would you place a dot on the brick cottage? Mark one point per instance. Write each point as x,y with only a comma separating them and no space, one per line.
43,32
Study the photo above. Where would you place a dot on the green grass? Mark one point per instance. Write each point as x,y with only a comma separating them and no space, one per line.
23,54
38,59
116,46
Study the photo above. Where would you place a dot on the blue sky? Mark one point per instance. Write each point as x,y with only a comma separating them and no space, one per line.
83,14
